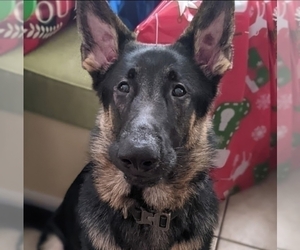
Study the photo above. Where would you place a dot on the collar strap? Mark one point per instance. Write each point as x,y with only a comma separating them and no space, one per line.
160,221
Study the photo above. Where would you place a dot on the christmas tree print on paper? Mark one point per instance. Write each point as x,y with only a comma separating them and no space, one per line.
261,172
283,72
226,120
260,71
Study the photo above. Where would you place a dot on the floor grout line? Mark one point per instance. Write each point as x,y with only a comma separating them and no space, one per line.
222,222
242,244
221,227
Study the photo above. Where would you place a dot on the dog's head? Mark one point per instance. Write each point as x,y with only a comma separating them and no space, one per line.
155,99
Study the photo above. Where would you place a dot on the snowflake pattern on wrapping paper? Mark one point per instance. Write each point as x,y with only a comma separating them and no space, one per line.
281,132
284,101
259,133
219,139
263,102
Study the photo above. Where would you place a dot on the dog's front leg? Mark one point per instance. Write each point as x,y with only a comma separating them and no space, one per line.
195,243
207,242
97,241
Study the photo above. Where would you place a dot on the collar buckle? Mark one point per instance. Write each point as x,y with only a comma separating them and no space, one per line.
160,221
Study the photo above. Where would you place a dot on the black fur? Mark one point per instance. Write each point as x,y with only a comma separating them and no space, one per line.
81,201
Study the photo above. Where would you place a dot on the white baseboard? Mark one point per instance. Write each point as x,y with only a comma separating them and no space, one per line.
11,198
42,200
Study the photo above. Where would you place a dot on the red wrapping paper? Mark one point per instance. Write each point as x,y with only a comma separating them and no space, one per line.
288,101
11,30
48,18
296,91
245,111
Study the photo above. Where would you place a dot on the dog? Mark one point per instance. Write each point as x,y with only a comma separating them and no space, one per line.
147,185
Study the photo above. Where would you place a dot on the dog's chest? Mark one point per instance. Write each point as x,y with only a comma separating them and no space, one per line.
134,238
106,228
149,239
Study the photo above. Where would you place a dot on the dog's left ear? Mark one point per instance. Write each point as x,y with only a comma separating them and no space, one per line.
103,35
210,36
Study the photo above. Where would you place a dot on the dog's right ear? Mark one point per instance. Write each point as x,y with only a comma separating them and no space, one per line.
103,35
210,37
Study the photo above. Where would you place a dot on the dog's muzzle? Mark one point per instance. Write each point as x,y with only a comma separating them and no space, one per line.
139,157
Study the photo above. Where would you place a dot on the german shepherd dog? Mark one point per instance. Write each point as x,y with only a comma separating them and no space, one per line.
147,185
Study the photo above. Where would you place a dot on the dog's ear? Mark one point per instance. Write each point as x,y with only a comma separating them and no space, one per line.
103,35
210,36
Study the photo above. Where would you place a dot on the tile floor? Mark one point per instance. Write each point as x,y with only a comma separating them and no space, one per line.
248,219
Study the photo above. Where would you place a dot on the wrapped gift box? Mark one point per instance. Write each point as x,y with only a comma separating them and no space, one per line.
45,19
245,111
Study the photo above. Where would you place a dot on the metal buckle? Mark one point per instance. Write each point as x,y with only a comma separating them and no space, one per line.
154,219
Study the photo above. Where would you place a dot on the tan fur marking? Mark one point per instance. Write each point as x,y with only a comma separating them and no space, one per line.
173,195
90,64
222,65
194,244
200,149
167,196
197,131
102,242
109,180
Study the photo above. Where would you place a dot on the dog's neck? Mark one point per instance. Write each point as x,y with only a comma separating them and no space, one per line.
136,194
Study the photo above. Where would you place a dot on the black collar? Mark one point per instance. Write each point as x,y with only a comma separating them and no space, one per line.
160,221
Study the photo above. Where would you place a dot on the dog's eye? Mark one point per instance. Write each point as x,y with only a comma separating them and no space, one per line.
178,91
123,87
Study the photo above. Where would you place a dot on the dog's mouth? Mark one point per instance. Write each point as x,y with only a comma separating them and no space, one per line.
142,181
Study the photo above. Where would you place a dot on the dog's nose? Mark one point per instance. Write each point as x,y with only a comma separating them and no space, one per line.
141,156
